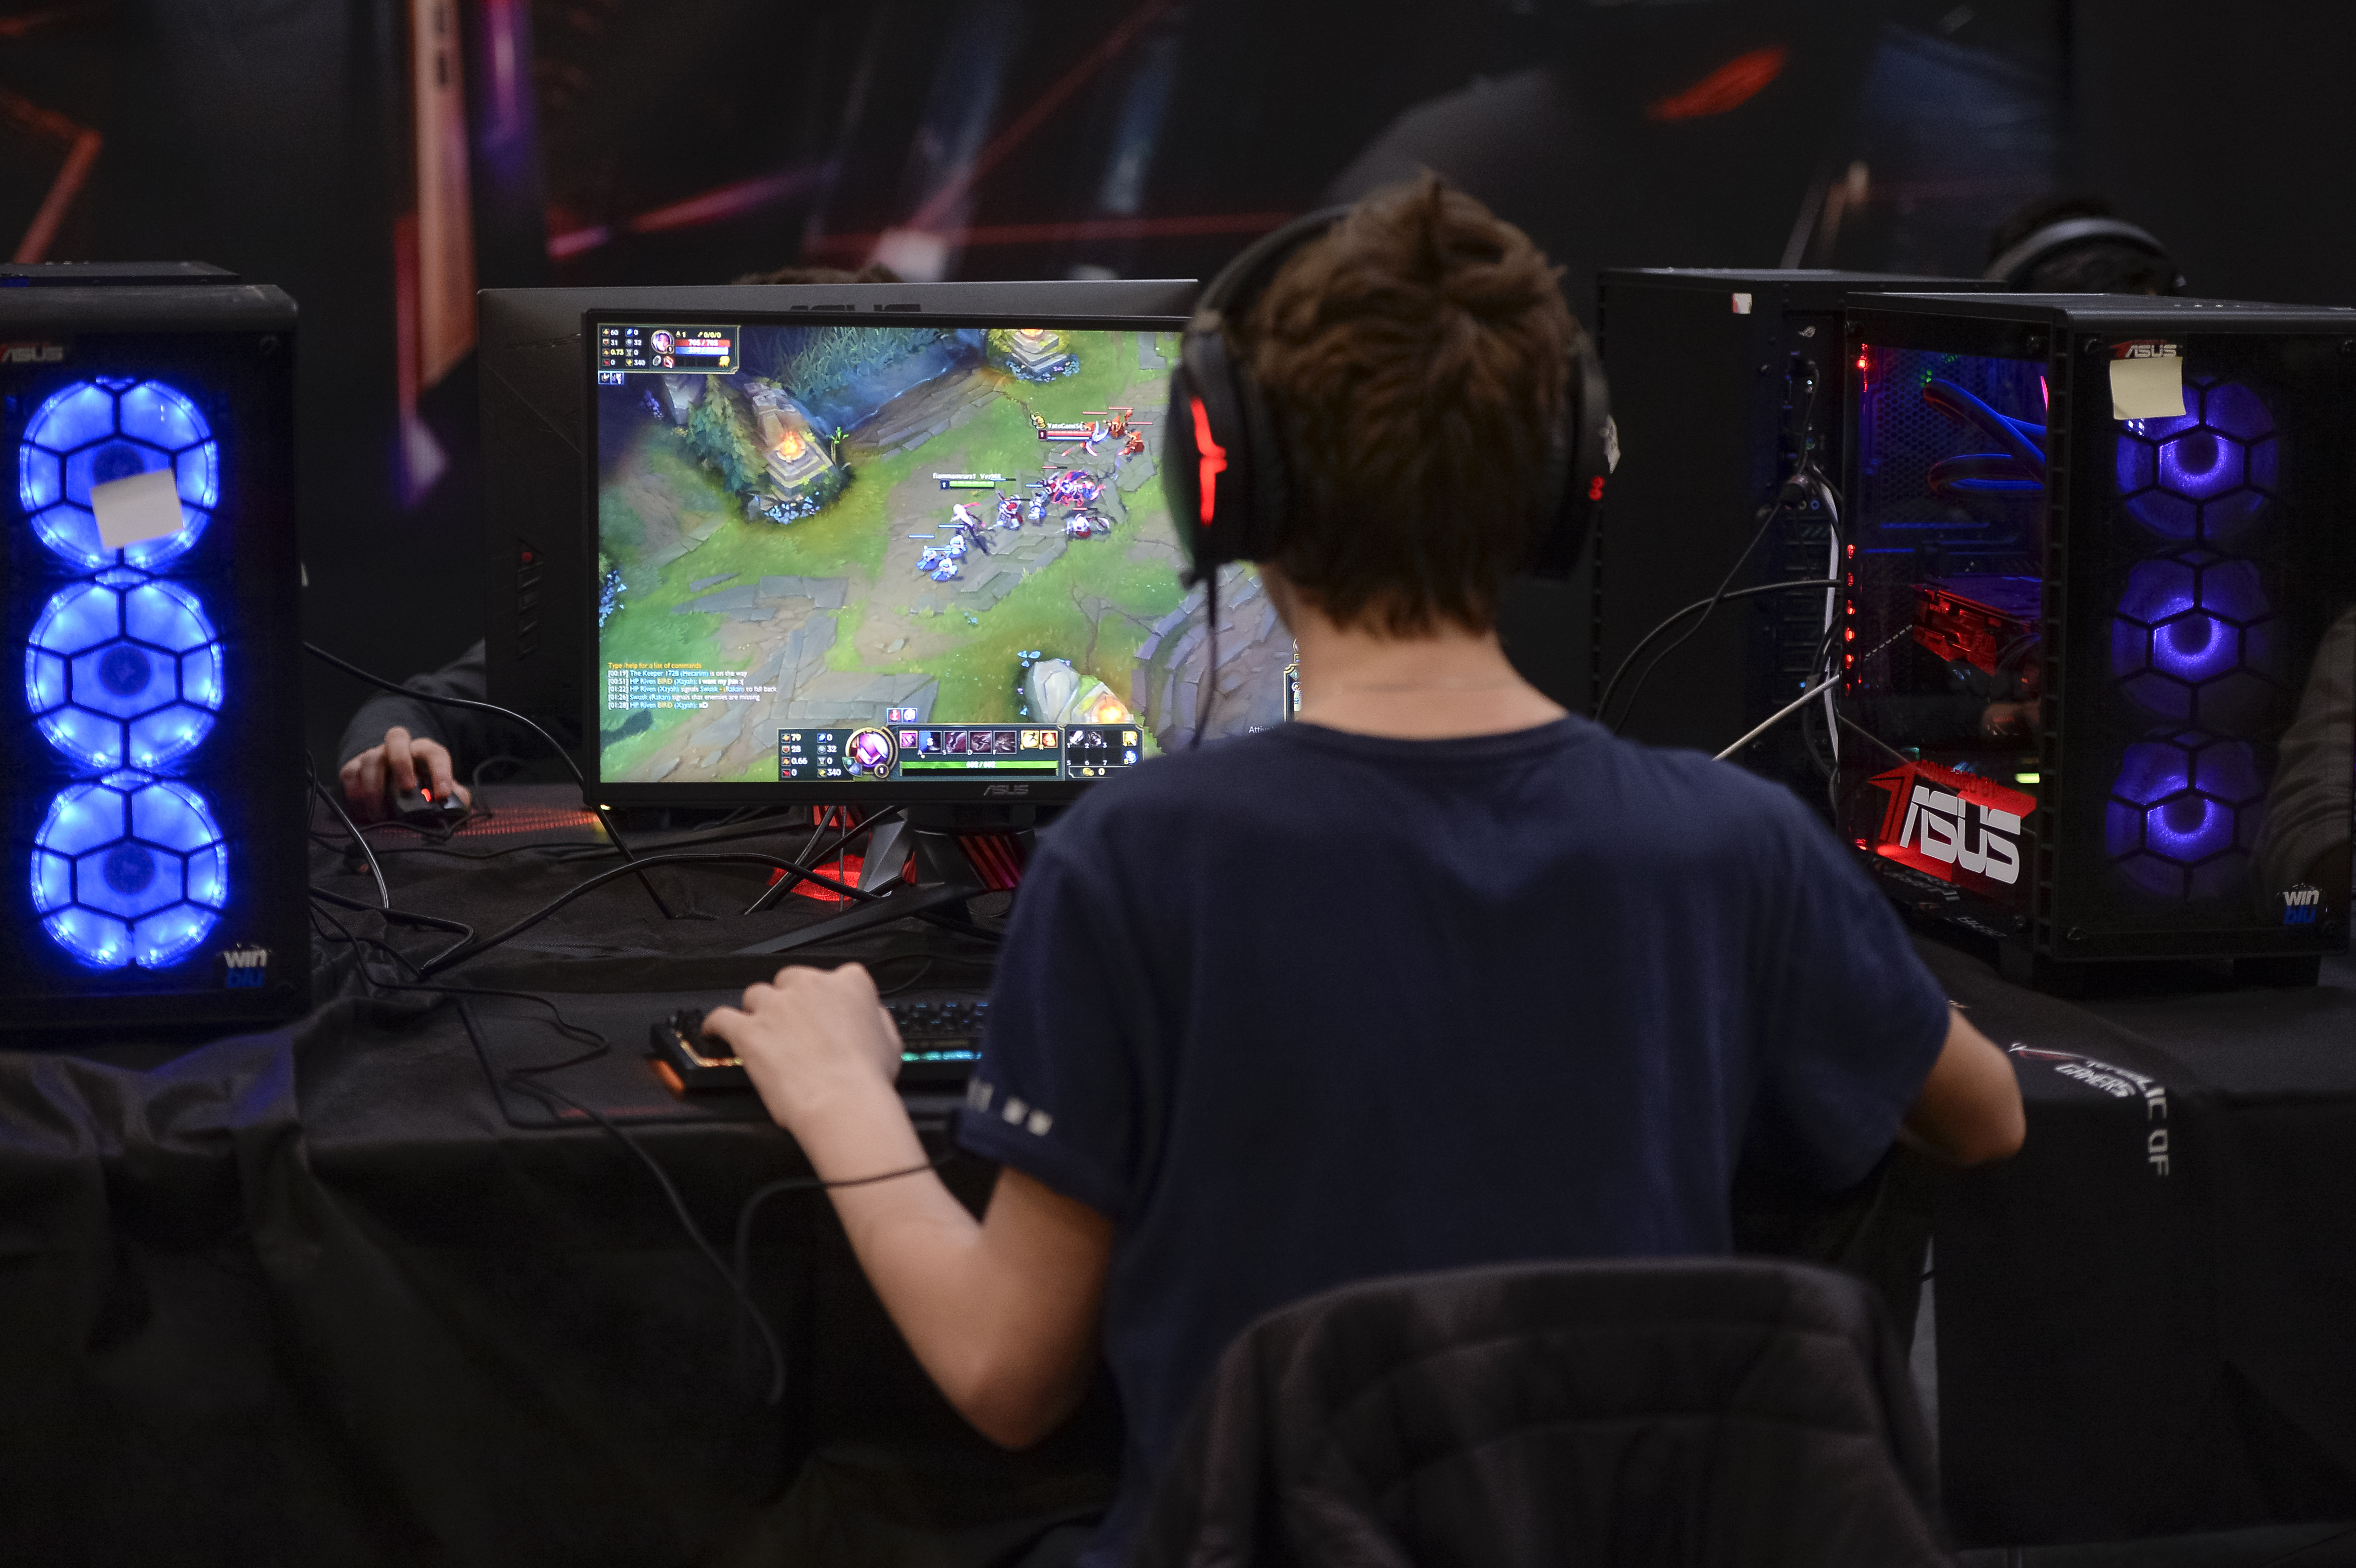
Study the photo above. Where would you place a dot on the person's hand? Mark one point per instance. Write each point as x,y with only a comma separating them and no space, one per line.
1999,721
809,1038
403,761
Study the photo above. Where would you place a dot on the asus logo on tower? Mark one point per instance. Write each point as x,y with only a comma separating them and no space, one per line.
1954,827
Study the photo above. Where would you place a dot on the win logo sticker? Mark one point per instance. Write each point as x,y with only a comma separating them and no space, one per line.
2302,904
244,968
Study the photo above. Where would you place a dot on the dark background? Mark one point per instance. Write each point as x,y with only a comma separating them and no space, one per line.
689,141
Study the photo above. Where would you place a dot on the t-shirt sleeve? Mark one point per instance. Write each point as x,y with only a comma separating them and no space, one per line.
1852,1022
1055,1092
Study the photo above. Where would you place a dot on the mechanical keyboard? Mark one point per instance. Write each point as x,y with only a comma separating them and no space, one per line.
940,1040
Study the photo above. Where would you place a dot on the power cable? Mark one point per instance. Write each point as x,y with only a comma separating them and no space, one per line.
1704,606
376,867
724,858
1779,716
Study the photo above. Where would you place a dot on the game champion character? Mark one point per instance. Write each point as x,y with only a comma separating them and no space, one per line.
1074,487
965,529
1009,512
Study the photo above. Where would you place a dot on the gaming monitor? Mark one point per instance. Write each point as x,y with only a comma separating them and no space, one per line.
848,557
532,371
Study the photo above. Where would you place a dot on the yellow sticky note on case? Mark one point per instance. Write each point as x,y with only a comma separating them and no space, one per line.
2148,388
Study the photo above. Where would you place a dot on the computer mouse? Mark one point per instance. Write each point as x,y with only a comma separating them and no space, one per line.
420,808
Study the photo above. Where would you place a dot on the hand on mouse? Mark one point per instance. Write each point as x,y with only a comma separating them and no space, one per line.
809,1038
397,766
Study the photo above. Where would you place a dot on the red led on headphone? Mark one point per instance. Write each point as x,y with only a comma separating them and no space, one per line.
1214,459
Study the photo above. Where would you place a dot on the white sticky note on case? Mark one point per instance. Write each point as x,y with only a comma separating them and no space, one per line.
1742,305
143,507
2150,388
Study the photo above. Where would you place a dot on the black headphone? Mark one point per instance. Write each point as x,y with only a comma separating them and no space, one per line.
1223,463
2012,267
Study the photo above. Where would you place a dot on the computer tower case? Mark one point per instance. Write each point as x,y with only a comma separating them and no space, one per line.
1725,386
154,801
2098,641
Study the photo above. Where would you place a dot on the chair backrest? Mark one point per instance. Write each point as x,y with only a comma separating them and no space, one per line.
1684,1413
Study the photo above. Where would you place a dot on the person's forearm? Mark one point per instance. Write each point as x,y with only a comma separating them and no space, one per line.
922,1252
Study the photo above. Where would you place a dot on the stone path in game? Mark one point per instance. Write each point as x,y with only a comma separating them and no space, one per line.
1165,686
780,631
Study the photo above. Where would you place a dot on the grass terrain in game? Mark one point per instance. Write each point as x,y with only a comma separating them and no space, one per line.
1092,604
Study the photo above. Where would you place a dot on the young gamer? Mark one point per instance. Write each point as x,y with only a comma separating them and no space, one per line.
1439,976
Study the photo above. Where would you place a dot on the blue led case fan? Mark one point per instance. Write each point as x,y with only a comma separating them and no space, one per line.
123,677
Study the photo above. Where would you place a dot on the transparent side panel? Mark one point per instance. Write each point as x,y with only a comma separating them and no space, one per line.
1946,551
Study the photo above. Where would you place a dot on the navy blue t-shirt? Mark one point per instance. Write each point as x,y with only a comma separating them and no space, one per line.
1308,1008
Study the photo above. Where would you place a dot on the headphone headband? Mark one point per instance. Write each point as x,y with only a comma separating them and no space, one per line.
2014,265
1223,466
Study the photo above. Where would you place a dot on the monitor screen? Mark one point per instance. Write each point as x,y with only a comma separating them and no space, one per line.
844,554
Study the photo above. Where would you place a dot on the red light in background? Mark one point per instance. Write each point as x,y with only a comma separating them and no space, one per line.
1728,88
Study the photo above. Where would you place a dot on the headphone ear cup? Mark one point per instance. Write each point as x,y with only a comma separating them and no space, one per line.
1182,469
1204,456
1590,446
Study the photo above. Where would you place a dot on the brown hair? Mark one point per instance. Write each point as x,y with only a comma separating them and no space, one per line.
1416,358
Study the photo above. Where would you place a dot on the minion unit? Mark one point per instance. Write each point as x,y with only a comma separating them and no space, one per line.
2099,624
153,802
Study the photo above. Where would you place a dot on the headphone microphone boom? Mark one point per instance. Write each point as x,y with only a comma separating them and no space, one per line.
1231,493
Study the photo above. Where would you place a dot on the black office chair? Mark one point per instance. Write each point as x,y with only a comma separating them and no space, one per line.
1629,1415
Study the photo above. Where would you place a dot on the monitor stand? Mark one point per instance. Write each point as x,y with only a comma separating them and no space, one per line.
960,853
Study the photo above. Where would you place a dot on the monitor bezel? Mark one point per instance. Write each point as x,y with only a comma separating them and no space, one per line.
891,792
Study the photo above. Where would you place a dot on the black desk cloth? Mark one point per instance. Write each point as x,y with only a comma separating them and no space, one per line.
309,1297
312,1297
2146,1319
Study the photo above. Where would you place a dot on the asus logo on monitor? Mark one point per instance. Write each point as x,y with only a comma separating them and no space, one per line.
31,353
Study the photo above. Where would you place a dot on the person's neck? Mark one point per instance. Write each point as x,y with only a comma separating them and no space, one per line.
1435,685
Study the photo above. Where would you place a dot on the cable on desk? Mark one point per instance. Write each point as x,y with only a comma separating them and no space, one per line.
588,798
524,1077
403,917
736,1281
723,857
359,839
810,855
